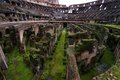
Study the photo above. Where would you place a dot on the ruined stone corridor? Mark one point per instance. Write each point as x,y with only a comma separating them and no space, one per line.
46,40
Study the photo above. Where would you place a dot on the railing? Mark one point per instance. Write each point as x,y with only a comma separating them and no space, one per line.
39,21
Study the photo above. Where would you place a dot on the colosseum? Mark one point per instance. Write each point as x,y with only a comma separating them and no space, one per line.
46,40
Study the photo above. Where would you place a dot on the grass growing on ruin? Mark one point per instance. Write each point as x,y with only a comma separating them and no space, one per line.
113,26
17,69
107,58
89,75
114,71
55,68
108,25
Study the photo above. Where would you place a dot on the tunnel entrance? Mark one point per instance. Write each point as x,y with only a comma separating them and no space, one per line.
65,25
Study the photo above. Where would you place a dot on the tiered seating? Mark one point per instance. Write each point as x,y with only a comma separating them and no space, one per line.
102,11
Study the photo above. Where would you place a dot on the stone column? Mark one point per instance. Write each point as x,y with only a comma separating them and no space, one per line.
36,29
3,63
56,35
22,44
21,32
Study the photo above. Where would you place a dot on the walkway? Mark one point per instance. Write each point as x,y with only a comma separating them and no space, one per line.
17,68
72,68
55,69
40,21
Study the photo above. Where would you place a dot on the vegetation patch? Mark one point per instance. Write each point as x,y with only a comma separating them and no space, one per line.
112,74
108,25
56,68
17,69
107,59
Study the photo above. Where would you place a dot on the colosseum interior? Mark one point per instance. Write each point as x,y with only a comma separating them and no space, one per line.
45,40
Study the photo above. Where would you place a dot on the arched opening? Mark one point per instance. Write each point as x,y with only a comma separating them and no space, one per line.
13,3
10,19
7,31
64,25
18,4
7,15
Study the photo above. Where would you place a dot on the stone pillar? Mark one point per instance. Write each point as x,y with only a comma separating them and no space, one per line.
3,63
56,35
21,32
59,30
22,44
36,29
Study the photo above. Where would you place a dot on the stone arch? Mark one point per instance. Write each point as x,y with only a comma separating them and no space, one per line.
7,31
13,3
